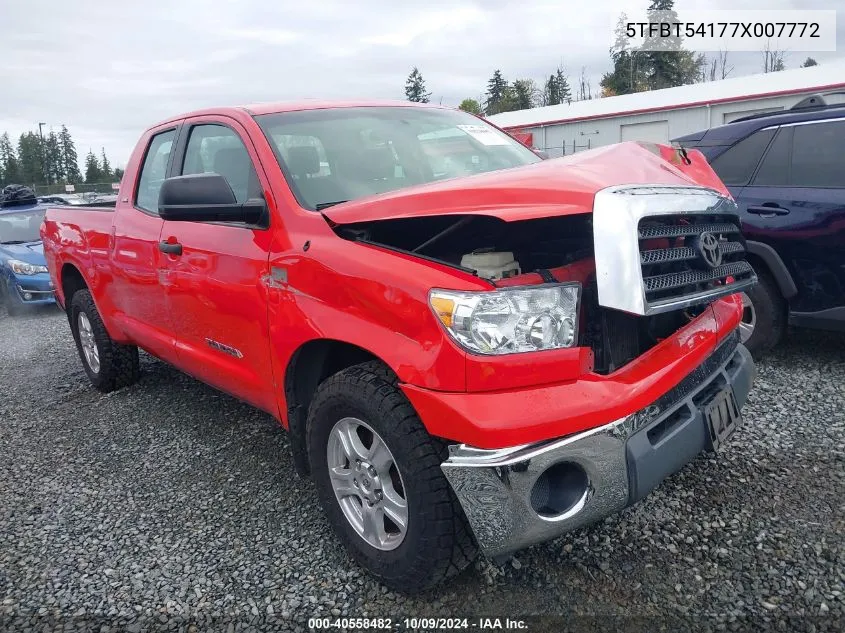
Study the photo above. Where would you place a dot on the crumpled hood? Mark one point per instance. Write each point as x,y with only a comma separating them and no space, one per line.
561,186
31,253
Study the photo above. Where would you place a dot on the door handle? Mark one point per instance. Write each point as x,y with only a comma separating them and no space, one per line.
768,209
171,248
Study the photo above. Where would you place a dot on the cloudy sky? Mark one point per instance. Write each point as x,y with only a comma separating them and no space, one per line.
109,69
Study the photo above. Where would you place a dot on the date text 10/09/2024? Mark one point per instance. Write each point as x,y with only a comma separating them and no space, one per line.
417,624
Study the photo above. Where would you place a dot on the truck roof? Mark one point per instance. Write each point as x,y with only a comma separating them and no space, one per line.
293,106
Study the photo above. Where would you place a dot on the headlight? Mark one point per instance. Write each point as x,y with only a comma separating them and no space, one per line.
510,320
22,268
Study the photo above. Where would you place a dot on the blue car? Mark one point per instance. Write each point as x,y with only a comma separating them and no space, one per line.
24,280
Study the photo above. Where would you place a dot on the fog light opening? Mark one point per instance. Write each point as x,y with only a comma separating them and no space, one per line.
27,296
560,489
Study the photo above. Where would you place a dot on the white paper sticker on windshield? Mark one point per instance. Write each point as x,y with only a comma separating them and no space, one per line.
484,135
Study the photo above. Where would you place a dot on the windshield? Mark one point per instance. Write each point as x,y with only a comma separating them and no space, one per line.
340,154
21,227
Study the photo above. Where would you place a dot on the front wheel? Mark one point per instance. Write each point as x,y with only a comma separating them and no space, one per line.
377,473
109,365
763,316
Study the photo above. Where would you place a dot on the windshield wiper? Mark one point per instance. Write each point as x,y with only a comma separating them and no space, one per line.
325,205
15,242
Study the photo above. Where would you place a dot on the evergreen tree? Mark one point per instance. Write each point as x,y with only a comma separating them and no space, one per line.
105,167
669,65
9,161
30,159
70,160
524,94
628,73
470,105
53,159
497,89
551,91
564,91
92,168
809,62
415,87
117,174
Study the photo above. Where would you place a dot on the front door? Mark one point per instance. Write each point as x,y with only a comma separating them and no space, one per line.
216,293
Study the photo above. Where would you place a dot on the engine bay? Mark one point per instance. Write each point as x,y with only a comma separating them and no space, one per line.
529,252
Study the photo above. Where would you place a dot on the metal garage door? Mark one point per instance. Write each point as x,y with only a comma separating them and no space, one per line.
654,131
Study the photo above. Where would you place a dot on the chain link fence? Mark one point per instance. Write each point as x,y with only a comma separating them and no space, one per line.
81,188
564,149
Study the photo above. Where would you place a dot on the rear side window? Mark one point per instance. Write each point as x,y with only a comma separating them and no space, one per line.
736,165
154,170
817,155
775,168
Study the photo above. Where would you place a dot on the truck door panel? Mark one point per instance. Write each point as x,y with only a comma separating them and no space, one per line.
137,287
216,295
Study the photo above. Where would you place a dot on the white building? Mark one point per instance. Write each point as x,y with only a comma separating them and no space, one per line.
661,115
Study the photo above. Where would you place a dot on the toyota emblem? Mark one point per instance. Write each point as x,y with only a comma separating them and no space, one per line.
709,249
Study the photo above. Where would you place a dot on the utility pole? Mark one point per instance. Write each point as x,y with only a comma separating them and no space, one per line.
43,167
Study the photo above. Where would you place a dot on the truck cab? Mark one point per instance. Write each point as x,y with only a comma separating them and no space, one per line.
472,348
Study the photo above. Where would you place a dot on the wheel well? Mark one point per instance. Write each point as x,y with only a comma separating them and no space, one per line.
309,366
72,281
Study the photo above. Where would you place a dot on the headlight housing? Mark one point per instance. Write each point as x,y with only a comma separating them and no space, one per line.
23,268
510,320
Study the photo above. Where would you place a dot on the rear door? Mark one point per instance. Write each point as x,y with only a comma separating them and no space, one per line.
795,202
216,294
137,286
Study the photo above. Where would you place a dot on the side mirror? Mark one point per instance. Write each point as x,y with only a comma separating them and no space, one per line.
205,198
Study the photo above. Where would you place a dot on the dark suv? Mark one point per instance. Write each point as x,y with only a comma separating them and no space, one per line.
787,173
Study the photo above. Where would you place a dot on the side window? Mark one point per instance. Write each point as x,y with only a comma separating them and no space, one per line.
218,149
736,165
775,168
817,155
154,170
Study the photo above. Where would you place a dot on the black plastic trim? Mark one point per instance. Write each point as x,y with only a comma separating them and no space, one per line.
775,265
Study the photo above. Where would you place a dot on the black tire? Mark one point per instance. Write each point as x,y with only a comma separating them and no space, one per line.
769,308
119,365
13,308
438,542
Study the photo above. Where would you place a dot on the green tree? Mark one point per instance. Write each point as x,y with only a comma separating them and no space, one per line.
70,159
105,167
92,168
30,159
556,89
809,62
628,73
668,64
524,94
497,91
117,174
53,158
415,87
470,105
9,161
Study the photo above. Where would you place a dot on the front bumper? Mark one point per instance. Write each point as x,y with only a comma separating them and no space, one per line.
591,474
32,290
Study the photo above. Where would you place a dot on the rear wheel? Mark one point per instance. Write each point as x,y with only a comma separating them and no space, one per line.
763,315
377,473
109,365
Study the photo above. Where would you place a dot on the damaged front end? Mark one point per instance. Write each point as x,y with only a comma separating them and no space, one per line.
648,259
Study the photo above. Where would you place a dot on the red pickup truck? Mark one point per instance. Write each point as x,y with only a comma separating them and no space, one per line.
471,347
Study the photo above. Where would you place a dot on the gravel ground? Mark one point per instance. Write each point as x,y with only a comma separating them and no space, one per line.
168,503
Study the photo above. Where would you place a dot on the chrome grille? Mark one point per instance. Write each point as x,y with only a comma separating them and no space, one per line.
674,266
